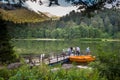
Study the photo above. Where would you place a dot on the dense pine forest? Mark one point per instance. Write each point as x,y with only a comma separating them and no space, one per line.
98,24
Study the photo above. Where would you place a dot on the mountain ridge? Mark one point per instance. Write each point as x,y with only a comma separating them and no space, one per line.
63,8
22,15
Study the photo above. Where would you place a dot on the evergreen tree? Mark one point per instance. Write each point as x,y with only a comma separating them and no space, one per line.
6,50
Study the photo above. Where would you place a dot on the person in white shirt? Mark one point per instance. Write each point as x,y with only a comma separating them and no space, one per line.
77,51
88,50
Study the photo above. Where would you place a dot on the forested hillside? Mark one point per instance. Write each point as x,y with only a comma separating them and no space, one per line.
100,24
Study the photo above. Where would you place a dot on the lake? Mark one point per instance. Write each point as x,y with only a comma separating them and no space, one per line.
47,47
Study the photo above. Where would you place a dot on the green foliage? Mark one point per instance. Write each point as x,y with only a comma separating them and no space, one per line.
44,72
5,74
90,39
67,33
108,63
7,54
105,20
117,35
1,78
104,24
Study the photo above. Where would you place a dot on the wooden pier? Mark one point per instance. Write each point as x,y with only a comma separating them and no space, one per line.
51,59
35,60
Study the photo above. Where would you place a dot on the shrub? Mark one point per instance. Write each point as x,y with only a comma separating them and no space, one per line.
44,72
4,74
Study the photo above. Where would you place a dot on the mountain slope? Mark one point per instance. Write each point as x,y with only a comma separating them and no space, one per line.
22,15
61,10
115,4
64,7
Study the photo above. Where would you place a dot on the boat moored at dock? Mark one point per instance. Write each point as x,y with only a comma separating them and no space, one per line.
82,58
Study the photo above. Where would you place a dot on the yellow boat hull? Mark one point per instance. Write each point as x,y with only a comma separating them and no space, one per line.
82,59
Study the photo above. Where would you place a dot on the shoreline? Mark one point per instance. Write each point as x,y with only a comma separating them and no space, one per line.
82,39
42,39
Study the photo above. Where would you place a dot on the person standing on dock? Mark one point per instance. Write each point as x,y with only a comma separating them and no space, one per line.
64,52
77,51
70,51
88,50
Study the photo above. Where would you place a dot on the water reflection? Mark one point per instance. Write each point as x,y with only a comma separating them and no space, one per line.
40,47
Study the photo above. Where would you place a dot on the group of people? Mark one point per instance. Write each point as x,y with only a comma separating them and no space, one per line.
76,51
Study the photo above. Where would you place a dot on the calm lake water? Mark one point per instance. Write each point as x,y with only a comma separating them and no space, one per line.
47,47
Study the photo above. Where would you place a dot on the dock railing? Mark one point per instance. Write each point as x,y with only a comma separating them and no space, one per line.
39,59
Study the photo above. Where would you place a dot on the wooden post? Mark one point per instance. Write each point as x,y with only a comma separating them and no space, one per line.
30,59
63,56
49,60
39,58
34,63
57,58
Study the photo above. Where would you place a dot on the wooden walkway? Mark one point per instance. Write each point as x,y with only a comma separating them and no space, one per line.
35,60
61,59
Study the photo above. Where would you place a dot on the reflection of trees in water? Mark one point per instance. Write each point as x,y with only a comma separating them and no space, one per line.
47,47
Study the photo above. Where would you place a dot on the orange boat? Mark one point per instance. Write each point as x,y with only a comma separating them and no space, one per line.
82,59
